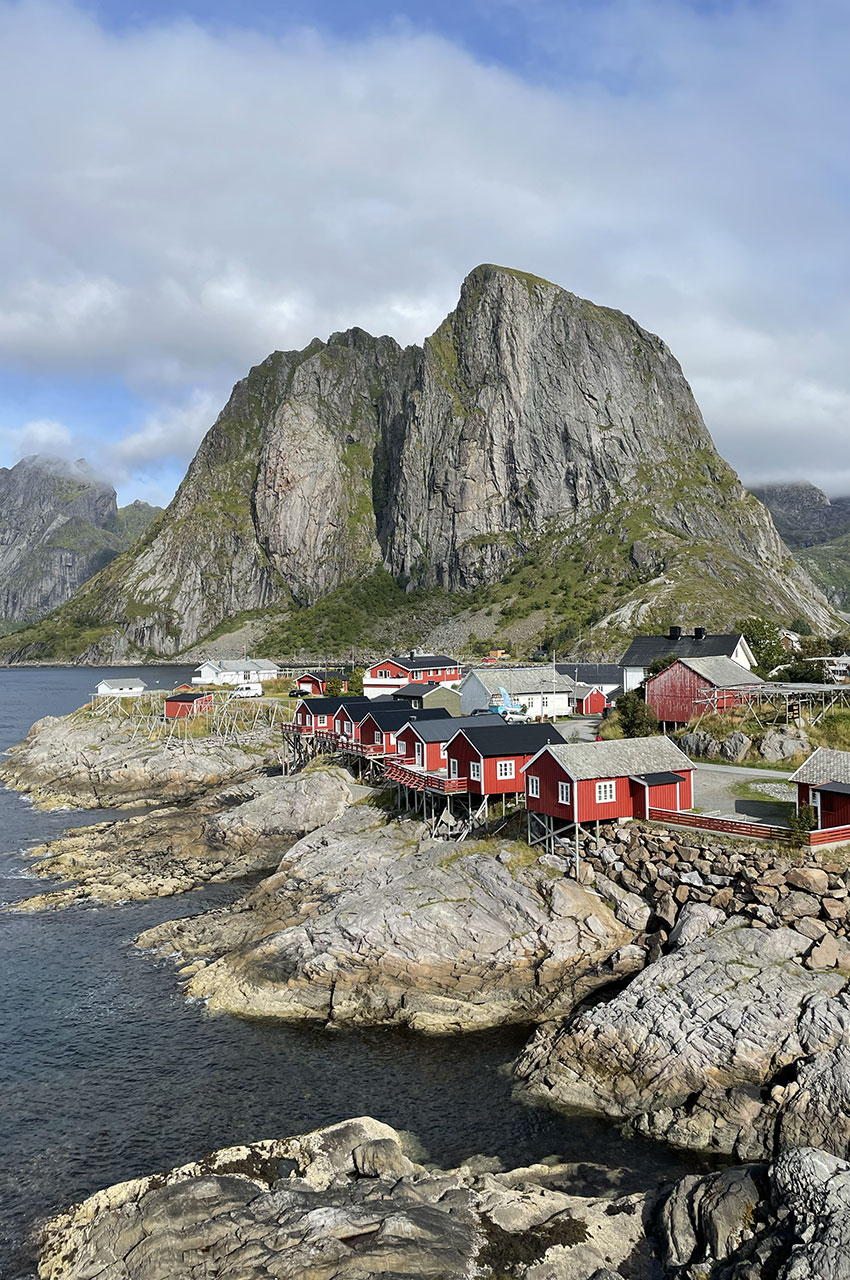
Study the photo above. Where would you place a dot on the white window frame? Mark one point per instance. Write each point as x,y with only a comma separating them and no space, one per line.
443,750
505,769
544,700
378,737
534,786
606,792
347,728
391,739
323,720
565,791
419,754
453,768
299,719
475,770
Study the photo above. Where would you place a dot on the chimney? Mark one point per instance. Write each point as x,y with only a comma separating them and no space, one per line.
675,633
699,633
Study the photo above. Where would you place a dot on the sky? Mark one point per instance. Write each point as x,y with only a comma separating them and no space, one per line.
187,187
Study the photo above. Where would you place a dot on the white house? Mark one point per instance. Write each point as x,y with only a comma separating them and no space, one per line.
243,671
644,650
122,687
541,690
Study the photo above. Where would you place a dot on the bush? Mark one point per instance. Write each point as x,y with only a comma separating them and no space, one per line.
801,821
635,718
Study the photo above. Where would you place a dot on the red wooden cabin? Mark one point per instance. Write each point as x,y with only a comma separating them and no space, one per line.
491,758
601,781
589,701
316,682
391,674
676,694
380,726
315,715
180,705
422,743
823,781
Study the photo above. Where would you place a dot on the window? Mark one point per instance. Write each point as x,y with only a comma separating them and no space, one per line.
442,750
563,793
533,785
346,728
505,769
323,720
378,738
475,771
419,756
392,739
453,768
545,700
606,792
299,718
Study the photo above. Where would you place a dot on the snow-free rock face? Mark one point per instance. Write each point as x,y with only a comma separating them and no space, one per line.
727,1044
59,525
532,422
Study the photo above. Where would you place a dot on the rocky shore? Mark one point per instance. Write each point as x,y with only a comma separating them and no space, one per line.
349,1202
91,761
370,921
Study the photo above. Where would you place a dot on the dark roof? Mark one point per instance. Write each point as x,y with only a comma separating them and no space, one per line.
418,661
591,672
643,650
511,739
393,717
442,730
186,697
415,689
329,706
658,779
336,673
839,788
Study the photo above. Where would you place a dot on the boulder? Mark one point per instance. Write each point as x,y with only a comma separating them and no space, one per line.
809,879
293,806
736,747
784,744
698,743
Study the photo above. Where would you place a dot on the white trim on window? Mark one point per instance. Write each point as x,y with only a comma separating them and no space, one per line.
606,792
564,791
533,786
347,728
323,720
378,738
475,770
453,768
505,769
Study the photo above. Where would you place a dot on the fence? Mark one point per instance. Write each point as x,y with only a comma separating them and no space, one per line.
755,830
829,835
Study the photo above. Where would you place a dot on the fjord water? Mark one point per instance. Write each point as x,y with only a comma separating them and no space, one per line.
107,1073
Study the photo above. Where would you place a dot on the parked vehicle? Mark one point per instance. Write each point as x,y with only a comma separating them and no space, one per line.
251,689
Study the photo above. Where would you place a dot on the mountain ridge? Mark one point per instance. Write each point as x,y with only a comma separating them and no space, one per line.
538,456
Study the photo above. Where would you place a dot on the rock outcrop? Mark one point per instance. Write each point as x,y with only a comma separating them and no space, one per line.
59,525
371,922
92,761
532,423
348,1202
728,1044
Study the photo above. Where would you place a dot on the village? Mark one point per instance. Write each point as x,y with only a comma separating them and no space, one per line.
468,747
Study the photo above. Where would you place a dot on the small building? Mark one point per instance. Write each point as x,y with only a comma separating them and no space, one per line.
178,706
315,715
242,671
421,694
646,650
422,743
607,676
316,682
589,700
571,783
120,687
491,757
379,728
823,781
675,694
391,674
542,691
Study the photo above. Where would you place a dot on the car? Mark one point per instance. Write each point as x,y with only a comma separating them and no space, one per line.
484,711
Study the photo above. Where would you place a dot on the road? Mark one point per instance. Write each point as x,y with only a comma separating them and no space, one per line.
742,771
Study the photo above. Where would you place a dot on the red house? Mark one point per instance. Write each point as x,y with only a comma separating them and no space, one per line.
422,743
315,715
823,781
391,674
491,758
345,723
180,705
602,781
675,694
381,724
589,700
316,682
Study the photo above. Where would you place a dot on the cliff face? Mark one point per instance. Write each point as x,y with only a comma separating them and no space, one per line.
804,515
59,525
532,425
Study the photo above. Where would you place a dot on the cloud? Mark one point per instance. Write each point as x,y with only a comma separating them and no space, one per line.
178,202
42,436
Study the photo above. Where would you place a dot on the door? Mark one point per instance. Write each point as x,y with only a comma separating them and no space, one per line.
419,755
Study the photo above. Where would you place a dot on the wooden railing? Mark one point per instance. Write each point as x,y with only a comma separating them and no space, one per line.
829,835
423,781
701,822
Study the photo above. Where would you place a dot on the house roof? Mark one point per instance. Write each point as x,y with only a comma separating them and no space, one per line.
416,689
510,739
520,680
837,788
391,717
324,676
620,758
329,706
186,697
418,661
824,765
721,672
582,690
661,779
122,684
644,650
442,730
592,673
243,664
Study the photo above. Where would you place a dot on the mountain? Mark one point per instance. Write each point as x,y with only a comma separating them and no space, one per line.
537,467
818,529
59,525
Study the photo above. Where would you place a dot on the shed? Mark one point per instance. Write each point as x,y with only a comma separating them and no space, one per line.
675,692
120,687
178,706
645,650
603,781
823,781
589,700
428,693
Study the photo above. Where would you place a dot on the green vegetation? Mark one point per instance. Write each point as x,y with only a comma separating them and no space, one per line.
801,821
635,719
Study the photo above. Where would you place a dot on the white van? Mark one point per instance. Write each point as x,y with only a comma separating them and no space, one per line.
252,689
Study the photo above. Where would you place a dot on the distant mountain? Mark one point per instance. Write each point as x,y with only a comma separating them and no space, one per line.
59,525
817,528
536,469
